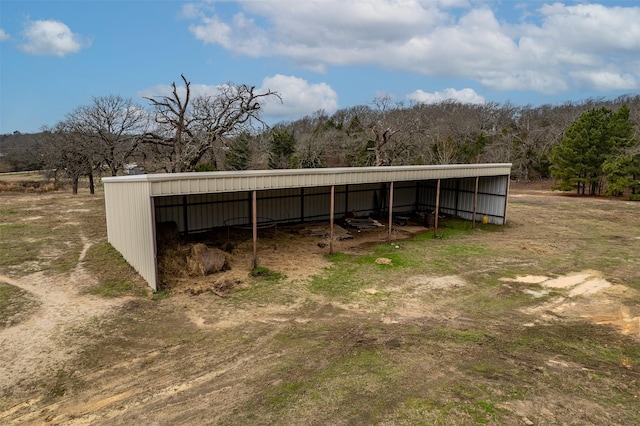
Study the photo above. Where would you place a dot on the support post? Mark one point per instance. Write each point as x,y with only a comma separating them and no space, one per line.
254,221
390,212
435,228
331,213
475,203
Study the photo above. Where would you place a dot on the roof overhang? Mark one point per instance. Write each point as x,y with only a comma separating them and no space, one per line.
251,180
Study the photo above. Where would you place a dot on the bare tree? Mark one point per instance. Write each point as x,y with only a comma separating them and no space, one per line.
113,126
444,151
68,154
381,140
173,135
19,152
383,130
190,128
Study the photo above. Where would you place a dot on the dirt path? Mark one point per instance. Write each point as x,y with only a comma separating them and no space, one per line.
39,344
282,353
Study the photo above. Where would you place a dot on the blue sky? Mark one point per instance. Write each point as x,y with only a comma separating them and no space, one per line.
318,54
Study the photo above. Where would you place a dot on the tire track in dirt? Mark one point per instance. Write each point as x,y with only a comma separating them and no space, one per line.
132,389
38,346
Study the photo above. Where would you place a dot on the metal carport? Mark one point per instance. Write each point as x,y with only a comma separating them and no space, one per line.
198,202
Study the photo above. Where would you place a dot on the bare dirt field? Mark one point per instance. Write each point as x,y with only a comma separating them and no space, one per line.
535,322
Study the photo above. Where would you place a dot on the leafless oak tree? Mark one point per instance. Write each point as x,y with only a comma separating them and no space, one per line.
112,127
188,129
68,154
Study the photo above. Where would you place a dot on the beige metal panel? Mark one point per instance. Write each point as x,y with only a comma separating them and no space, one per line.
182,183
130,227
411,172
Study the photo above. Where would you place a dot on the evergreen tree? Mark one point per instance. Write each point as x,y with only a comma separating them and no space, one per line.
622,173
282,148
595,136
239,155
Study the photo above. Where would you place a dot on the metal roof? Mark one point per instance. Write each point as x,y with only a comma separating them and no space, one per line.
208,182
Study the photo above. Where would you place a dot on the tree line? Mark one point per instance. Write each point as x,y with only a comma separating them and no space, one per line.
590,146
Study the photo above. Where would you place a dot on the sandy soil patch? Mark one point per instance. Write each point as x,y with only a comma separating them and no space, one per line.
41,342
527,279
584,295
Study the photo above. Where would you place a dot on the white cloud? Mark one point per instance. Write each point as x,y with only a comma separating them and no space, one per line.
465,96
51,37
549,50
299,97
191,11
605,80
4,35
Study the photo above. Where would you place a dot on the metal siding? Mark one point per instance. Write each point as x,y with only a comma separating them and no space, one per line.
491,198
215,197
317,202
130,227
466,192
448,197
212,210
169,209
181,183
340,201
361,198
404,196
279,205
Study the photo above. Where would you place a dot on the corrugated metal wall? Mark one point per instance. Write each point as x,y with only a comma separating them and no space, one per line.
130,226
457,195
197,213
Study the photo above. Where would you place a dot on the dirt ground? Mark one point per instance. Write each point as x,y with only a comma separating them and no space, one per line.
297,251
537,322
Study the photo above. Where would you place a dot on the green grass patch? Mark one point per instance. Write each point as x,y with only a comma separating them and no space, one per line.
262,273
264,286
398,260
349,274
117,288
487,412
451,335
161,294
340,280
338,257
283,393
463,250
115,277
343,278
580,342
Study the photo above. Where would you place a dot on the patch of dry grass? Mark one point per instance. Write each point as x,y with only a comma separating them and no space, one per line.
364,343
16,305
114,276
